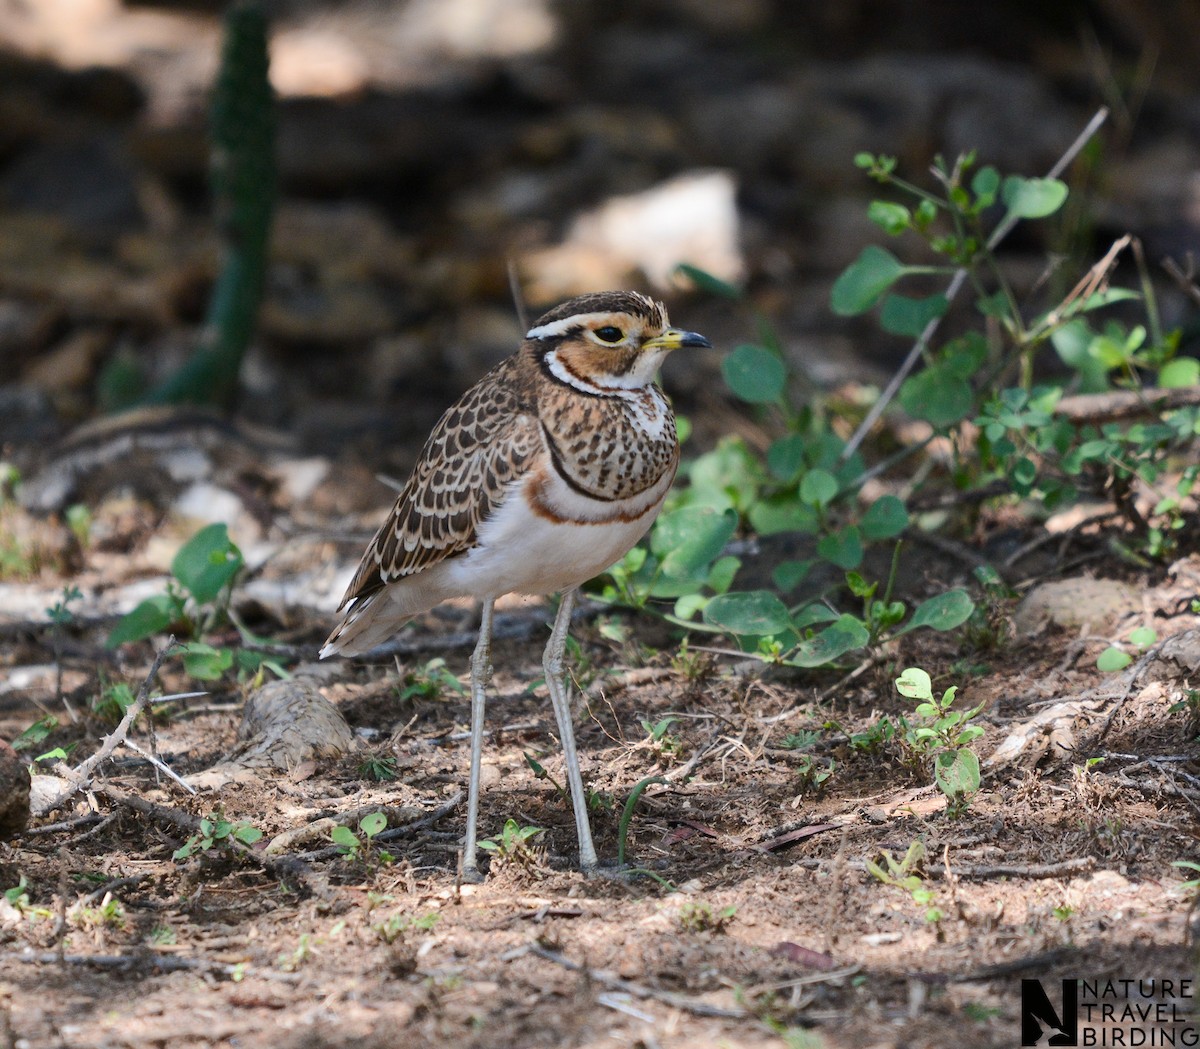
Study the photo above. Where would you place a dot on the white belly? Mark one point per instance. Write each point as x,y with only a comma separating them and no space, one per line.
522,551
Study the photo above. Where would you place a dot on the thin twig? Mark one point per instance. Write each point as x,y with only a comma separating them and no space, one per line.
79,777
160,765
952,290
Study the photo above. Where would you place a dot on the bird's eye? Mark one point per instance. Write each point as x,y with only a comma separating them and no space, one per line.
609,333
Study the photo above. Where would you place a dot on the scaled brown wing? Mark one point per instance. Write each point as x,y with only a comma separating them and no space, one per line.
480,445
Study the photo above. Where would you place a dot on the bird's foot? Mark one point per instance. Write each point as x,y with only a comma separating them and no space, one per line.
472,876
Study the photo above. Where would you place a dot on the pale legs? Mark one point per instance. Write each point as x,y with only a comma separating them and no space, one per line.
552,665
481,674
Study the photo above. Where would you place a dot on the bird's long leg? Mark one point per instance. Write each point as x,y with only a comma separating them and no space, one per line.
481,675
552,664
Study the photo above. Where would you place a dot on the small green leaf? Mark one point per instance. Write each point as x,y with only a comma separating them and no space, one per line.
957,772
1182,371
1112,659
1023,475
818,488
344,838
866,279
859,587
902,315
706,282
247,835
372,823
937,396
783,512
1033,198
688,539
914,683
845,635
151,617
687,605
36,733
811,615
204,662
994,305
943,612
885,518
207,562
786,456
748,612
787,575
984,185
842,548
755,374
1143,637
889,217
721,575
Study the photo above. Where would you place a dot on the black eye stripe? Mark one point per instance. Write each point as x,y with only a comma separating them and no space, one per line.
609,333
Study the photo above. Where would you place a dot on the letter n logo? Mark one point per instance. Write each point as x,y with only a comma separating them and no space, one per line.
1039,1019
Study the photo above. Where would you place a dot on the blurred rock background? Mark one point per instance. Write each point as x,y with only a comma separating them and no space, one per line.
424,145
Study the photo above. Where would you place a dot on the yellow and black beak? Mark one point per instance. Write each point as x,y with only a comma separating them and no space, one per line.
676,338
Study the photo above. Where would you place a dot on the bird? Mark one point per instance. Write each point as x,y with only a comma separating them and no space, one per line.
541,476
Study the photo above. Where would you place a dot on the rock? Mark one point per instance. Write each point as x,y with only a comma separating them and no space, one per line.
1072,603
692,218
284,724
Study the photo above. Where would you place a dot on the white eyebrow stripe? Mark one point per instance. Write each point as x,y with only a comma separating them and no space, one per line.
555,328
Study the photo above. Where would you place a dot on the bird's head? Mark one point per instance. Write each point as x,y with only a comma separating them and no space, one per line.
607,341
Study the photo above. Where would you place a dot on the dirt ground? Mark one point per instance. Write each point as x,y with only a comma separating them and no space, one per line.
758,922
423,155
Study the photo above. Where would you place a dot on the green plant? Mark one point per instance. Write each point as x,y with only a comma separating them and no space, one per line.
430,680
975,389
805,484
801,740
114,699
36,734
1025,441
351,845
1190,887
942,735
109,914
660,739
18,897
196,603
294,960
905,874
21,556
873,740
242,173
217,831
163,935
1114,658
1191,704
398,924
377,767
698,916
79,520
813,772
512,844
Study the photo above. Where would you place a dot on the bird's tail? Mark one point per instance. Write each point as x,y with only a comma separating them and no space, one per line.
369,621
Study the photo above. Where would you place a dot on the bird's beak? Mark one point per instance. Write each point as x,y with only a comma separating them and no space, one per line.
674,338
